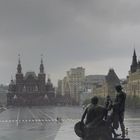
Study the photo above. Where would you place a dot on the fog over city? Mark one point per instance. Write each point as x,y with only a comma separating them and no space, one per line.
94,34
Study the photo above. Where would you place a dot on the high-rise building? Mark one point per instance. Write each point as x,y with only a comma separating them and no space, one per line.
71,86
59,88
75,80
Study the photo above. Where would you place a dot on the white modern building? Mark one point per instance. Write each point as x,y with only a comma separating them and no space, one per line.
72,84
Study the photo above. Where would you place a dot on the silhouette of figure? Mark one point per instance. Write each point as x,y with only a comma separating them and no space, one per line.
95,119
111,119
119,109
93,113
108,105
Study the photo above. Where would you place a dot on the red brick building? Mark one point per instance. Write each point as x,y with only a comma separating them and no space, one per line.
30,89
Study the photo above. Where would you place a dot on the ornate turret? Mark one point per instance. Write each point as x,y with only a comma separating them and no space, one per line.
19,77
134,62
30,88
49,84
41,66
41,77
19,68
50,89
11,86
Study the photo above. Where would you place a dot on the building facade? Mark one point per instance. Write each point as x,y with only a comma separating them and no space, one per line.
30,89
71,87
133,79
3,94
91,80
108,86
75,78
76,87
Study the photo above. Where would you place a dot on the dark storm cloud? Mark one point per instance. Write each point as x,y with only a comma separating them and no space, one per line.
68,32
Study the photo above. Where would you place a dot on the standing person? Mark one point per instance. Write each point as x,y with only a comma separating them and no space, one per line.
113,118
108,102
108,105
119,107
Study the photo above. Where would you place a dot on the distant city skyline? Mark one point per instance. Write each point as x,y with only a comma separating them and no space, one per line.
96,35
62,73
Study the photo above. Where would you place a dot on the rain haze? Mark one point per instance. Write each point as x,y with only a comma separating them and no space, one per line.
94,34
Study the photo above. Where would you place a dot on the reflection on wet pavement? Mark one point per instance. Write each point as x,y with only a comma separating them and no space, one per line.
40,123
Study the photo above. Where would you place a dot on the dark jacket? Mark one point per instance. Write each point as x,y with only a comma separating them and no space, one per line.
119,105
94,113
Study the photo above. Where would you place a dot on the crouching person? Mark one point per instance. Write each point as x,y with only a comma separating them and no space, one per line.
93,116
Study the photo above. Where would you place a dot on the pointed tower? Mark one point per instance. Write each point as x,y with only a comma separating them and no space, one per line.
41,66
50,89
111,81
41,78
19,77
19,68
49,85
112,78
134,63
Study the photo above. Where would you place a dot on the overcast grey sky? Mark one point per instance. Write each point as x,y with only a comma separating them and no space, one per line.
95,34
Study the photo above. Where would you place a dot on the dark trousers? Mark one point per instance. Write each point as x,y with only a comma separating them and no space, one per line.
121,120
115,119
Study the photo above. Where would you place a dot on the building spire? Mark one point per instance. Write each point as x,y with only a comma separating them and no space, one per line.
134,52
41,65
19,68
41,58
19,58
134,62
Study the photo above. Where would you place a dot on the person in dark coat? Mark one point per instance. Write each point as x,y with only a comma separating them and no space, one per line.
108,105
93,118
119,107
113,118
94,112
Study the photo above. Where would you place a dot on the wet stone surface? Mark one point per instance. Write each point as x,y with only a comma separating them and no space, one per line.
41,123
